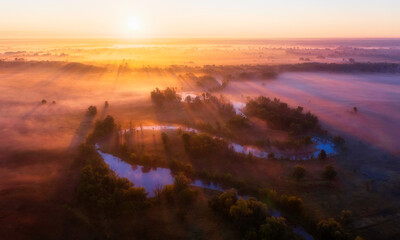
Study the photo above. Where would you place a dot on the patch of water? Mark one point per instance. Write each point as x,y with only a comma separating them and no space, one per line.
159,177
300,231
212,186
323,144
164,127
151,180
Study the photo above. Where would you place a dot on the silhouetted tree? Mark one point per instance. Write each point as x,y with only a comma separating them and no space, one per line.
322,155
92,110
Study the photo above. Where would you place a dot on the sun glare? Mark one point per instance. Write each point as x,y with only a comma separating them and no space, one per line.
133,24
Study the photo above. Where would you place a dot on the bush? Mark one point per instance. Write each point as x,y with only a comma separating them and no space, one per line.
345,218
250,216
331,230
179,167
203,145
224,202
322,155
181,182
329,172
168,193
159,97
247,214
292,204
276,229
281,116
102,129
101,190
92,110
299,172
238,121
271,155
186,196
268,195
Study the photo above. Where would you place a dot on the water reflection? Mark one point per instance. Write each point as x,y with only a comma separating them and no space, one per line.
159,177
150,180
321,144
212,186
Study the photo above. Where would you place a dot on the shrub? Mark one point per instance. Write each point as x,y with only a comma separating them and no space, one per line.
250,216
238,121
322,155
292,204
179,167
181,182
202,145
100,189
276,229
168,193
299,172
268,195
102,129
281,116
248,213
92,110
224,202
345,217
330,230
271,155
329,172
159,97
186,196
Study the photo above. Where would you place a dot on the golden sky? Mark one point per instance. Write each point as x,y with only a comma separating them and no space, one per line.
205,18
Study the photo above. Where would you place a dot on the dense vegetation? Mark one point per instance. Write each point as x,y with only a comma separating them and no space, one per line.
281,116
251,217
102,191
102,129
168,95
103,194
223,106
203,145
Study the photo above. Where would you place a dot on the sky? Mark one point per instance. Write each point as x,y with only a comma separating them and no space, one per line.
200,18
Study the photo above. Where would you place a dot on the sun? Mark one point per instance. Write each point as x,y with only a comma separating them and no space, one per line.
133,24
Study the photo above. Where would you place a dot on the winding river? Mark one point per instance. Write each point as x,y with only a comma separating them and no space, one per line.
152,179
